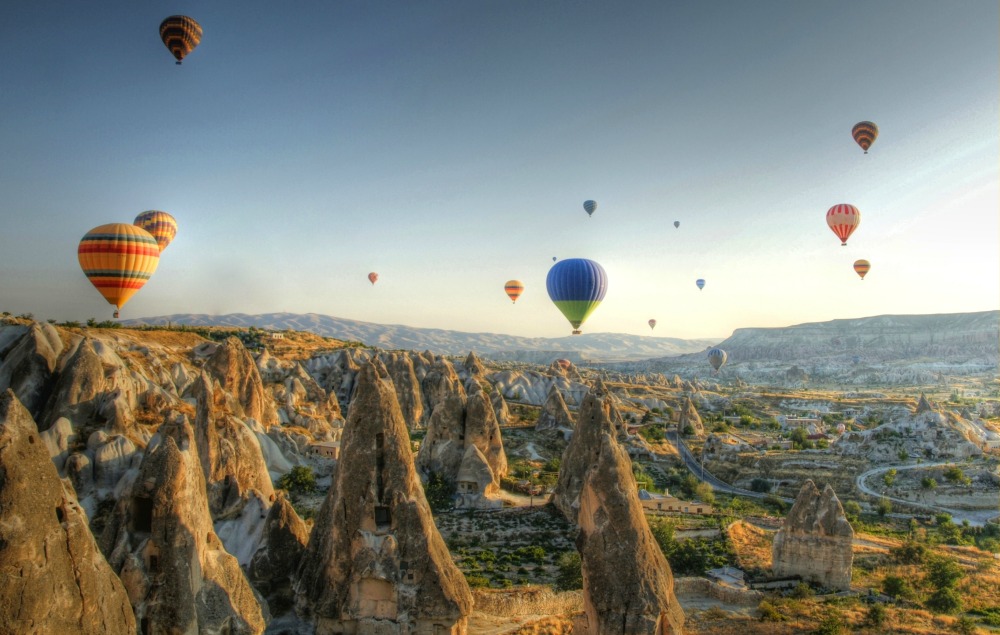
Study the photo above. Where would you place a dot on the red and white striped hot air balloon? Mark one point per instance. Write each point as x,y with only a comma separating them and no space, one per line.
843,219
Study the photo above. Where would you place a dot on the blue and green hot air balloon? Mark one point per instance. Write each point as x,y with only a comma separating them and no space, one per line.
700,282
576,286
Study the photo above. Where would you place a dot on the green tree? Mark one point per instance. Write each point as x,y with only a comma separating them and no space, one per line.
570,576
852,510
954,474
928,482
440,493
942,572
704,493
761,485
896,587
944,601
884,507
798,438
876,616
890,477
299,480
909,552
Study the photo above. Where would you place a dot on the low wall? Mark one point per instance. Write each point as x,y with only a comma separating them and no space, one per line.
704,587
527,601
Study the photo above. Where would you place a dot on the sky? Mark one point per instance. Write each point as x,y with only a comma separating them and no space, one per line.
449,146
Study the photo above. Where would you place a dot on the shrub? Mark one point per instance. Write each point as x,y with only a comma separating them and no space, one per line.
832,624
945,600
440,493
896,587
770,613
760,485
300,480
909,553
876,616
801,591
570,576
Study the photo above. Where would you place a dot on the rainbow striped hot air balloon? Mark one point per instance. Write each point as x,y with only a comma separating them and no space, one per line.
843,219
180,34
160,225
576,286
514,289
864,133
861,267
118,259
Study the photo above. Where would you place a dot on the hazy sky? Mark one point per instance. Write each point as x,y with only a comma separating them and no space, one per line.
449,146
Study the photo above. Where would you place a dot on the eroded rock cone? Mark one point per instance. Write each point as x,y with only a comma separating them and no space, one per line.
500,408
474,365
55,580
923,405
375,561
815,540
160,539
439,383
236,371
598,492
407,386
77,388
274,564
690,417
28,366
554,414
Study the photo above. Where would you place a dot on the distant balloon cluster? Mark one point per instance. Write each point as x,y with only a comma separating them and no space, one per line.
119,259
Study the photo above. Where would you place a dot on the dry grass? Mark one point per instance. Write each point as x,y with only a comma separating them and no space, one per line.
752,545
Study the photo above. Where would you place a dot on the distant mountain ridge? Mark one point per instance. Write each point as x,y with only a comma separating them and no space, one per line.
539,350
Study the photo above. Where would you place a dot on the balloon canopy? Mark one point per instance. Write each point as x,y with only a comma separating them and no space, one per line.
590,206
865,133
576,286
843,219
861,267
700,282
373,277
677,224
652,324
118,259
717,358
514,289
180,34
160,225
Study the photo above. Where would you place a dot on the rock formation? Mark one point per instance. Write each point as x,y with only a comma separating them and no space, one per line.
500,408
236,371
554,413
474,366
29,363
272,567
375,561
689,417
597,491
923,405
815,540
404,380
54,578
76,390
160,539
440,381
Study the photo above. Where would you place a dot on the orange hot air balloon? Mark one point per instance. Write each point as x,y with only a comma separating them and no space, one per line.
161,225
118,259
861,267
180,34
865,133
514,289
843,219
373,277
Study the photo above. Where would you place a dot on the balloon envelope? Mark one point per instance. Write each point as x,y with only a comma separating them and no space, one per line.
843,219
576,286
554,259
652,324
717,357
180,34
865,133
160,225
373,277
677,223
590,206
118,259
514,289
861,267
700,282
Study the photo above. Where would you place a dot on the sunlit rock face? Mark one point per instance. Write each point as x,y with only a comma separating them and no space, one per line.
407,386
284,540
236,371
160,540
689,417
598,492
554,413
55,579
816,539
375,561
29,357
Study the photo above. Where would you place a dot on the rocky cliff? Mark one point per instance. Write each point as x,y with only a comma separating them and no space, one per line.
815,540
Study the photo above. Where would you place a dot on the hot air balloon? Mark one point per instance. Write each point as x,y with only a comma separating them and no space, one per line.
717,357
652,324
700,282
160,225
677,224
373,277
576,286
180,34
590,206
564,364
554,259
843,219
861,267
514,289
865,133
118,259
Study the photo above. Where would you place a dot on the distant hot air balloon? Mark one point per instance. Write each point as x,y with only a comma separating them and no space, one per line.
565,364
373,277
700,282
576,286
861,267
717,357
118,259
554,259
514,289
843,219
180,34
865,133
590,206
677,224
652,324
160,225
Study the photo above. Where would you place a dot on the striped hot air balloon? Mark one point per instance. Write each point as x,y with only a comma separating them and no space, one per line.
180,34
843,219
514,289
589,207
717,358
861,267
700,282
160,225
865,133
118,259
576,286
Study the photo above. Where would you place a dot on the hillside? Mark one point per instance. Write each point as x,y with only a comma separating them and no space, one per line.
541,350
